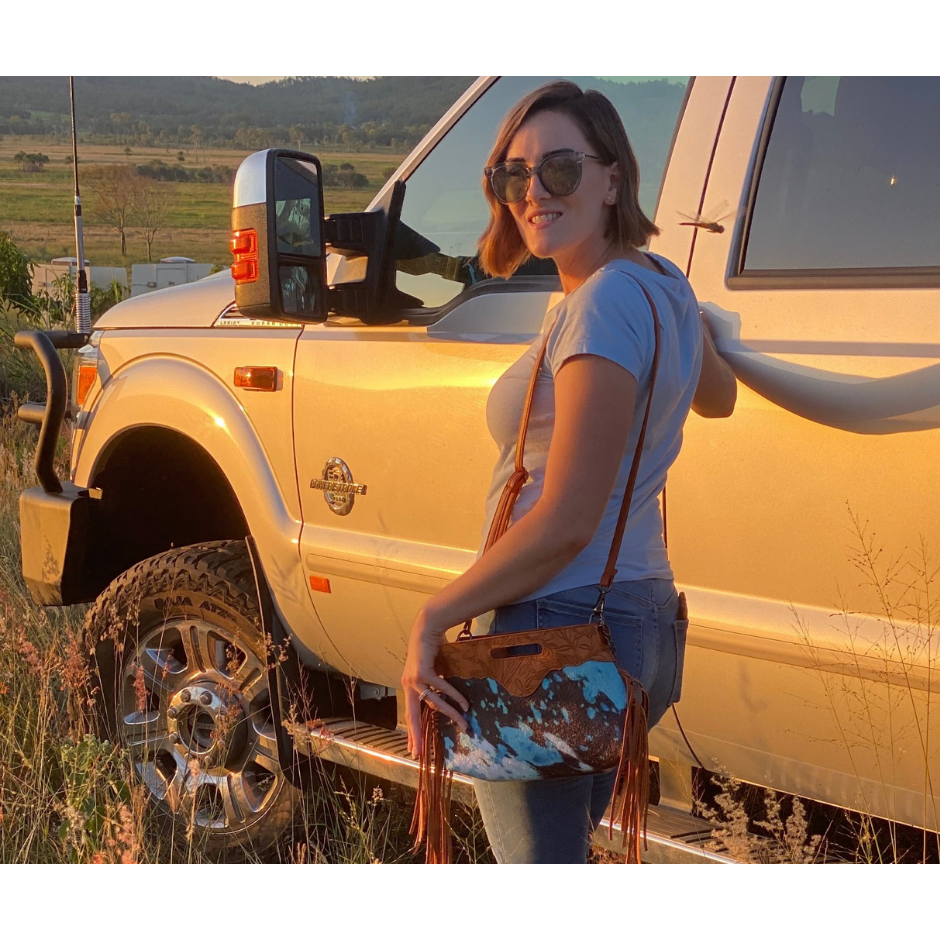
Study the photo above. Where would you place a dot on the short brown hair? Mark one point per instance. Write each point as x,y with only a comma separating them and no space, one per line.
501,247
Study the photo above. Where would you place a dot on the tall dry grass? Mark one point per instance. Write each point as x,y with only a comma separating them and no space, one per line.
44,770
68,796
882,705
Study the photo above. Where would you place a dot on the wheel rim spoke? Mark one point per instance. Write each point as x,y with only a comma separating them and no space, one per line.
243,799
144,731
163,675
237,801
200,646
250,679
165,788
177,788
264,750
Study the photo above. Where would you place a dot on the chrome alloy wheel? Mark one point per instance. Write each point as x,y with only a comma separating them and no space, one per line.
195,714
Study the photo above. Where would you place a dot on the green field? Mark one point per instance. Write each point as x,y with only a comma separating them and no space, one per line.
36,208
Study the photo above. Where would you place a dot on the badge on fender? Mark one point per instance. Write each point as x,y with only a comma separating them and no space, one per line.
339,491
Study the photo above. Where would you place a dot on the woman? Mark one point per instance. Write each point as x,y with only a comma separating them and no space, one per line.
562,183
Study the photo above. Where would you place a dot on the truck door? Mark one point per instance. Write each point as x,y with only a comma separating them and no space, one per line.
797,525
401,409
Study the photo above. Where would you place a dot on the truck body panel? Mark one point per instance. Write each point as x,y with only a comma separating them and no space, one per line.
778,516
427,475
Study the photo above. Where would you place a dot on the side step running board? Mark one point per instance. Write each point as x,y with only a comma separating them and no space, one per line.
673,836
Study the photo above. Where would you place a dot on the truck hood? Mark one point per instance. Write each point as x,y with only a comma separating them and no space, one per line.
187,305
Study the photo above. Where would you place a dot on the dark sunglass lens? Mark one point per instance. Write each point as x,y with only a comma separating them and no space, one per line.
509,183
561,175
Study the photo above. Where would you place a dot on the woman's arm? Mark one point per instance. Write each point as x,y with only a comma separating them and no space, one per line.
594,402
717,388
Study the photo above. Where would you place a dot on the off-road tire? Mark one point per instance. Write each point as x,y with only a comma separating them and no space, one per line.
183,679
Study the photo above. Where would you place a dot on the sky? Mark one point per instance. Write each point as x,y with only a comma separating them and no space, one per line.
252,79
264,79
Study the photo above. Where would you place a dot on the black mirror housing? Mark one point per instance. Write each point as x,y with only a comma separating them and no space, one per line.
279,251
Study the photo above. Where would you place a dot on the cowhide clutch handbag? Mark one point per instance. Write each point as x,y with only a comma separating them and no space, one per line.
543,703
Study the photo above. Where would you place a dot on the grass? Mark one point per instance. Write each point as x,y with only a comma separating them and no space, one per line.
881,707
36,209
68,796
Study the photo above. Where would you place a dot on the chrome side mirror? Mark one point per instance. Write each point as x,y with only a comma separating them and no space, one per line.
279,265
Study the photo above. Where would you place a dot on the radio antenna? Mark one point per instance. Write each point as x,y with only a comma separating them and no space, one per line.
82,308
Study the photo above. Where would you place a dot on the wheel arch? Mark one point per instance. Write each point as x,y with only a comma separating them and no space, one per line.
160,489
177,461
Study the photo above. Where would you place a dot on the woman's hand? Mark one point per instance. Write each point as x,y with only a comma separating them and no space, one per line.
419,675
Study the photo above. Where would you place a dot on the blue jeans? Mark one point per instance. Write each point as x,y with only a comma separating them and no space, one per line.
541,821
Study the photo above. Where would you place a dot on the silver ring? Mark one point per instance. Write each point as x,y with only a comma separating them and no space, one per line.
425,694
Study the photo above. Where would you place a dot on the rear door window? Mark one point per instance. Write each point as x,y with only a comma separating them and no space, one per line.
850,178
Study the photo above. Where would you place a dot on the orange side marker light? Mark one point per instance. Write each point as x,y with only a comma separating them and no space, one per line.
256,378
86,378
320,584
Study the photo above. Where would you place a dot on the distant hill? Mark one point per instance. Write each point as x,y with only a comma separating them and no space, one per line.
166,108
391,113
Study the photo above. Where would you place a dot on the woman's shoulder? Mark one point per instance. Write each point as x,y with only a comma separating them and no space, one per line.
660,271
619,287
616,299
613,285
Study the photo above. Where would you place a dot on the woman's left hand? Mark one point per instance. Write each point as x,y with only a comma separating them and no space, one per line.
419,675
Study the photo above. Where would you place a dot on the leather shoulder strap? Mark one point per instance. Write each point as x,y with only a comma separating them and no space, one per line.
519,475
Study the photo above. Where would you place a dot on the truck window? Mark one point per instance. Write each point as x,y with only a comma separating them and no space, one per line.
445,212
850,177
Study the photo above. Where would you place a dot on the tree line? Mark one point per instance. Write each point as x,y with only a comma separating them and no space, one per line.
341,176
392,112
175,173
117,130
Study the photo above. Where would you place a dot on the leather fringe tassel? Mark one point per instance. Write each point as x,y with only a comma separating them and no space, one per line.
430,824
632,784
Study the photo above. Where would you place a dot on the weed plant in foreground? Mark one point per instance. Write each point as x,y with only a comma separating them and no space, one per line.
874,675
880,695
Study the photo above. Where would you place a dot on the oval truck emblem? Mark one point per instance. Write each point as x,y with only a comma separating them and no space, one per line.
339,491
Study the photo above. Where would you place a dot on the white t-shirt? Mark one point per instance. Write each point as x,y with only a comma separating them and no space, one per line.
609,316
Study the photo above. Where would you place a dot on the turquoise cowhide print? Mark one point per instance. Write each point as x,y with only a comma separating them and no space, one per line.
572,723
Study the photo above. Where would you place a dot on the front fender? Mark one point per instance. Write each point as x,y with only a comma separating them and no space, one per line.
183,396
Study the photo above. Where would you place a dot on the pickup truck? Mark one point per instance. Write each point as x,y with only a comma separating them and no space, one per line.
277,465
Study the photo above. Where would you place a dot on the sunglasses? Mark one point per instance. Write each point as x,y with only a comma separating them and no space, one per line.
559,173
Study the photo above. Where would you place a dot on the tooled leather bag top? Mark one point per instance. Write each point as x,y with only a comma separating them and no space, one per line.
521,675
